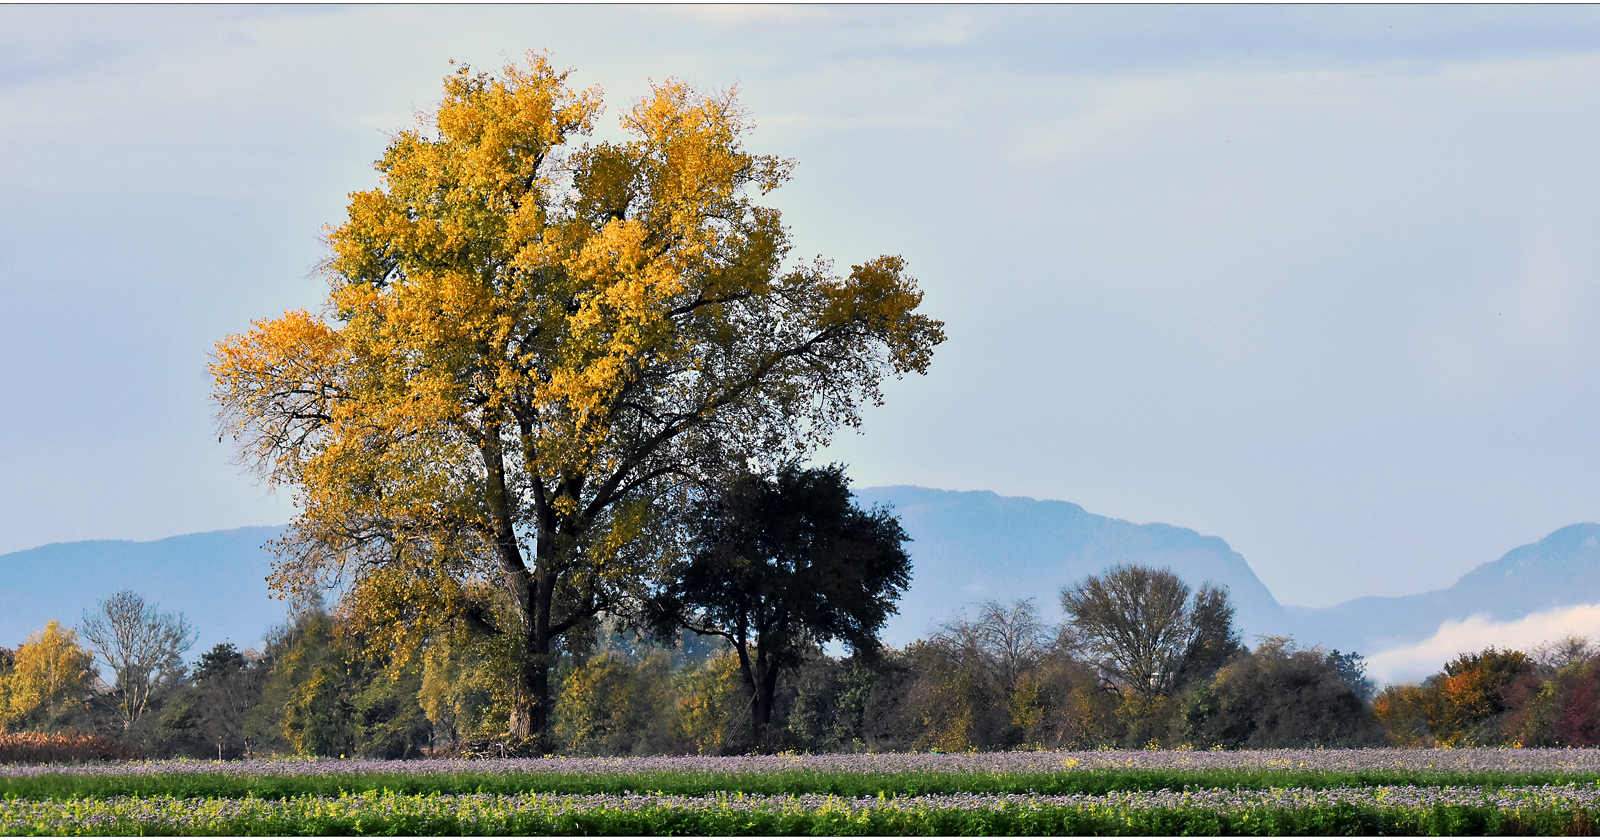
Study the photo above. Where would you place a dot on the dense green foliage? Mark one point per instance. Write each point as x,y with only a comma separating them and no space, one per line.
389,814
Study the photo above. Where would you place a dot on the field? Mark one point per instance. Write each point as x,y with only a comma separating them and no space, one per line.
1478,791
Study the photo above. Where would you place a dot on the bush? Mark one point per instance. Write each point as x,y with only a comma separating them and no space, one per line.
33,748
614,705
1276,697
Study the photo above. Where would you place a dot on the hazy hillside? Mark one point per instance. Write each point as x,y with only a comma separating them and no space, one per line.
969,547
217,580
1563,569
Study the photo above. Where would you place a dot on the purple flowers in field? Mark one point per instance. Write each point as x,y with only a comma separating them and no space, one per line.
1190,800
1399,760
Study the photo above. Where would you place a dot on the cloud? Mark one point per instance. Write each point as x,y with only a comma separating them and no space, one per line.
1415,663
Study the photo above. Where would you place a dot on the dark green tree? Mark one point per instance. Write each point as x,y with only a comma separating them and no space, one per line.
1353,669
228,686
779,563
220,661
325,694
1279,697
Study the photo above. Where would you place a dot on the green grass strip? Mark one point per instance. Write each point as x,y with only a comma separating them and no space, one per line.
792,782
389,814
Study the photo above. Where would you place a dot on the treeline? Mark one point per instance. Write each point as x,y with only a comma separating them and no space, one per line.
1549,697
998,682
999,679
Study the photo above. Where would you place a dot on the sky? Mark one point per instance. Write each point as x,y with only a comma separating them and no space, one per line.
1319,280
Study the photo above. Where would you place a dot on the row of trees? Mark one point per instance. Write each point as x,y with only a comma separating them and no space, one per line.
1547,697
773,566
996,680
999,679
52,681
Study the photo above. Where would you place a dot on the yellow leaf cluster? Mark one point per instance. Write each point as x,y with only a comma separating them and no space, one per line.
50,670
530,342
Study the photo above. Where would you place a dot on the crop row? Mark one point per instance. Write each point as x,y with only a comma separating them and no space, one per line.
1541,810
1477,760
782,783
1034,773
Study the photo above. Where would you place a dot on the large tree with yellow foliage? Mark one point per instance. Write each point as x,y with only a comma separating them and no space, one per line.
533,349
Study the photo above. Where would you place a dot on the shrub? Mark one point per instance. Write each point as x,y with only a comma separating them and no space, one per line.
65,748
1276,697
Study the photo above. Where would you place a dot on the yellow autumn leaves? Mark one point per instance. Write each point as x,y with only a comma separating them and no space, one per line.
529,342
50,676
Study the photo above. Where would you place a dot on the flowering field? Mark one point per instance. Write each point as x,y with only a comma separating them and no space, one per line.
1155,792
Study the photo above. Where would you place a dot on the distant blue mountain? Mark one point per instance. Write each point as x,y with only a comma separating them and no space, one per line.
967,548
217,580
975,546
970,547
1561,570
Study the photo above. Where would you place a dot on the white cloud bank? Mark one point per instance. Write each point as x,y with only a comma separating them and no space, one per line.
1415,663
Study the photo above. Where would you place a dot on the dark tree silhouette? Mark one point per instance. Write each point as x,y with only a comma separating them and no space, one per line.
1277,697
780,563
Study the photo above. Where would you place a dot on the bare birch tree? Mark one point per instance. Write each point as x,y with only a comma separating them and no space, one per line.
139,644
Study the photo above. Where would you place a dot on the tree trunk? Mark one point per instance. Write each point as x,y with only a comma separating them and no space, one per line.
764,691
760,710
532,592
522,704
531,701
530,714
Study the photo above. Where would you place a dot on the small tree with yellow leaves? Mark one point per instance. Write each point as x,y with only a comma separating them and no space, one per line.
48,681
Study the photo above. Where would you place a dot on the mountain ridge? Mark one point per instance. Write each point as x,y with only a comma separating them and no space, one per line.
1560,570
968,547
1047,544
225,600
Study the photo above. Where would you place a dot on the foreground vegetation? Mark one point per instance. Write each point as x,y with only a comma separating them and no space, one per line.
1406,811
1038,792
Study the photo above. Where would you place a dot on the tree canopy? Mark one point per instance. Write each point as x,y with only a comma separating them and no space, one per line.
780,563
532,348
140,645
1142,627
48,678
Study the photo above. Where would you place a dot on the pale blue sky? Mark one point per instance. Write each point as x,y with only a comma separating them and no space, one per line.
1322,281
